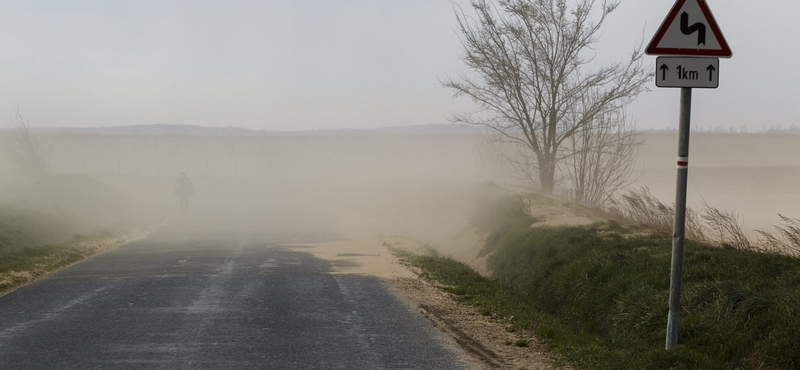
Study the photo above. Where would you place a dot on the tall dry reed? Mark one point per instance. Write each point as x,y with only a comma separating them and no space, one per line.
720,227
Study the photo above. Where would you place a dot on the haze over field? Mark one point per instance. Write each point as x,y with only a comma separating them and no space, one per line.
418,184
254,183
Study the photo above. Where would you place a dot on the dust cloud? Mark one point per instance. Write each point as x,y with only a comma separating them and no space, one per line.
755,175
288,185
317,185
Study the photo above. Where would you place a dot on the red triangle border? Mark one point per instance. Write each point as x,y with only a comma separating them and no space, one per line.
723,52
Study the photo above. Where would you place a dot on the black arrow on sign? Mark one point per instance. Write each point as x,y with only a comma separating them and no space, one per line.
711,70
664,70
697,27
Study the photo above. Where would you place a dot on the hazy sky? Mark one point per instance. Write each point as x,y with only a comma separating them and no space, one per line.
320,64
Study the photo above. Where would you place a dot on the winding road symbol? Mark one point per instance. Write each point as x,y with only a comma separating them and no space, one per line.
698,27
686,20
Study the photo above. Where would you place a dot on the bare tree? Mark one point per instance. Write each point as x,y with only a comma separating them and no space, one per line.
232,140
206,151
152,143
534,86
25,151
600,160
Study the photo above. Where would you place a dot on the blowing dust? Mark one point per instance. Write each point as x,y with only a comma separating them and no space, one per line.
755,175
307,188
300,187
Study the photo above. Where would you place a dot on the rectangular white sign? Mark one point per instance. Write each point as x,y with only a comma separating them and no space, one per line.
687,72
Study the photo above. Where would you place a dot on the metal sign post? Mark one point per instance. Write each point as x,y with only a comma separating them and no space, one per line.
692,36
679,227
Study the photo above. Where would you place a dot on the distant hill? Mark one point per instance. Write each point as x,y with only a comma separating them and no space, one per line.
433,129
192,130
150,130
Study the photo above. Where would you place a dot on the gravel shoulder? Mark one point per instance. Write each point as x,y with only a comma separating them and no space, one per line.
485,338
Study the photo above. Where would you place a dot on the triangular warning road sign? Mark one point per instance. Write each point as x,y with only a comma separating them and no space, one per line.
691,30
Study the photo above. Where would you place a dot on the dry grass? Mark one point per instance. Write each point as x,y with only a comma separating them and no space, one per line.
786,241
639,206
725,228
715,226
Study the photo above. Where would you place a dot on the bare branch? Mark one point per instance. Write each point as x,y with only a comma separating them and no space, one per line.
25,151
535,87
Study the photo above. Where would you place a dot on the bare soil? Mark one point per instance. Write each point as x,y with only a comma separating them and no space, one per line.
484,337
440,225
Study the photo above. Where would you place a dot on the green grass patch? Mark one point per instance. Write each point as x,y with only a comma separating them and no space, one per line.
499,218
23,265
21,228
599,298
33,244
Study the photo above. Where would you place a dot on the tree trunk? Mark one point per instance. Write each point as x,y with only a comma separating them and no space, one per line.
547,171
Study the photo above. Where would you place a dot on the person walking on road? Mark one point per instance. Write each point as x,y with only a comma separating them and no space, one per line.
183,189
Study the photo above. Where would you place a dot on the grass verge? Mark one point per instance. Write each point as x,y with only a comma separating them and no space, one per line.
22,260
26,264
21,228
597,295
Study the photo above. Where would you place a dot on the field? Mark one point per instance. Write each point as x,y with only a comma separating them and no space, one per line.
754,174
757,175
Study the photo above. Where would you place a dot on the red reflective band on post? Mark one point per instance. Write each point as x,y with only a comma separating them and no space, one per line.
683,163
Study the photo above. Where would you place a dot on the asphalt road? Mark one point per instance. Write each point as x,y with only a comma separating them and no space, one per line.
188,300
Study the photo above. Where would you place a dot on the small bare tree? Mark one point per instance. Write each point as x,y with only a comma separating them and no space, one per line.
534,86
232,140
25,151
600,160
